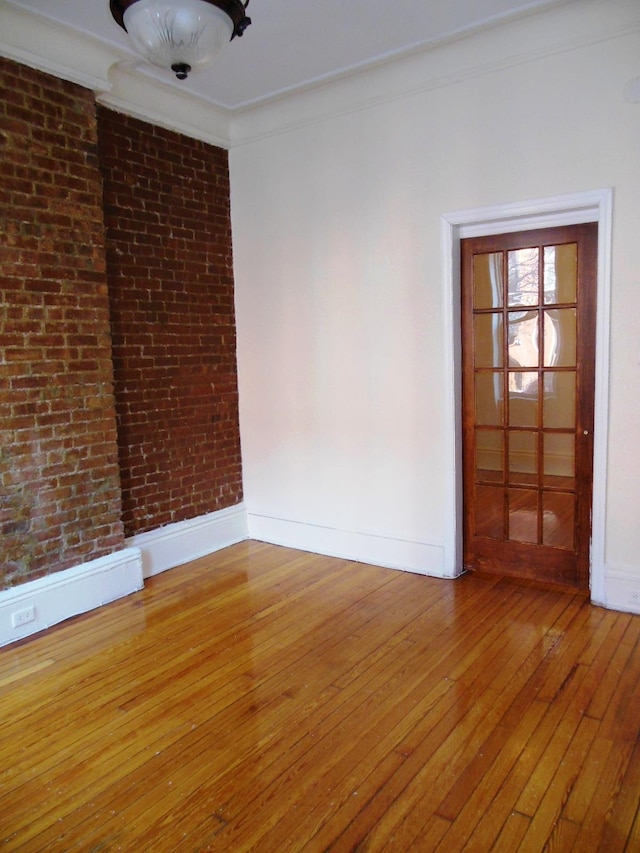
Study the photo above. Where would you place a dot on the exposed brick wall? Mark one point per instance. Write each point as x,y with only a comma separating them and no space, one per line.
167,214
59,483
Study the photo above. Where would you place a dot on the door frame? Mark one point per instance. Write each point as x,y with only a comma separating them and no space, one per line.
574,209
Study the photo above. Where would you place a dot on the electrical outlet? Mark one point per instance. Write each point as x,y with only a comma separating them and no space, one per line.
21,617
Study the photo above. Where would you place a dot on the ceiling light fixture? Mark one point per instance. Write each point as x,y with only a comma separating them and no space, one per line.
183,35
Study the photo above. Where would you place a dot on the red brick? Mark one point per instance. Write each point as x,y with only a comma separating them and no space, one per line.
53,223
166,203
168,263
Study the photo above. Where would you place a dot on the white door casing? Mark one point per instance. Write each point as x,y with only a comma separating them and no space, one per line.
592,206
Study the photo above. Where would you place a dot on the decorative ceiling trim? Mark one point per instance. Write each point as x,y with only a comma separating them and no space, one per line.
123,84
46,45
135,93
119,82
547,34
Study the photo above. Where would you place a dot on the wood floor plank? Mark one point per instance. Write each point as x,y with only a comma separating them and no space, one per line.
452,749
529,774
326,766
561,729
418,711
197,675
500,747
169,683
527,667
621,719
184,755
605,797
577,806
270,700
428,838
547,815
563,659
487,807
562,837
627,628
176,735
621,828
511,834
420,693
633,839
22,673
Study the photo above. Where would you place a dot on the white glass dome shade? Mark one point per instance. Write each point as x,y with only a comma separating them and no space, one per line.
183,35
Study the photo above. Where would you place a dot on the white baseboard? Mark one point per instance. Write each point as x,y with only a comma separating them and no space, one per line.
43,602
621,589
175,544
419,557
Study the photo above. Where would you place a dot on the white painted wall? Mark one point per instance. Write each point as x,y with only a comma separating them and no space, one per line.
336,200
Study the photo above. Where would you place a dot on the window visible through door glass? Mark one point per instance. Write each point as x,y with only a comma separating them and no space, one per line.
523,338
523,277
560,337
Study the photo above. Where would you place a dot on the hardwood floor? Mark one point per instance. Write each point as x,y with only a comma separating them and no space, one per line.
265,699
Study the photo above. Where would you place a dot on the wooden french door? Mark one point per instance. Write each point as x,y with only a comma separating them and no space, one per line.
528,351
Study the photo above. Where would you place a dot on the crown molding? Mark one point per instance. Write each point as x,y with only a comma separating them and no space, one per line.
127,86
119,82
134,92
47,46
572,26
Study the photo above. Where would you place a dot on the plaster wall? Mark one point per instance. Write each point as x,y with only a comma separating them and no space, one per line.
337,199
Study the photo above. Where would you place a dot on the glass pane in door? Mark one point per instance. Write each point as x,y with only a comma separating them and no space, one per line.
523,277
560,337
490,455
523,399
523,338
523,457
487,281
523,515
559,463
489,399
560,273
559,399
488,337
558,520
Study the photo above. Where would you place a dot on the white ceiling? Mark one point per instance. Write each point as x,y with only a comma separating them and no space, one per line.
295,43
